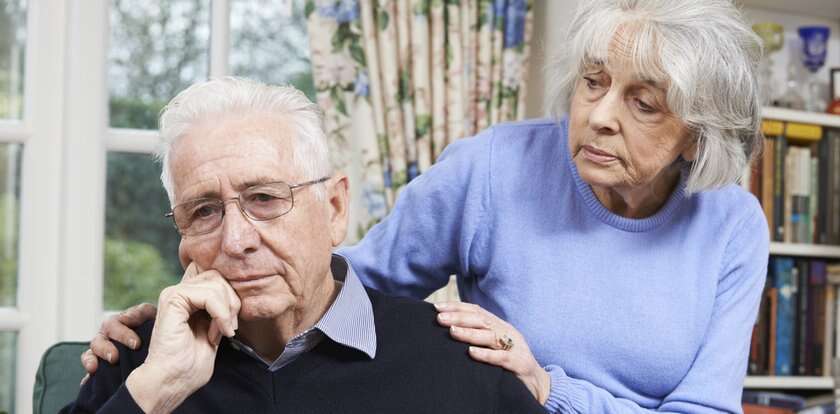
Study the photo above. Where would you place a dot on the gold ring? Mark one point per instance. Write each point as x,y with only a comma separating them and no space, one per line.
505,342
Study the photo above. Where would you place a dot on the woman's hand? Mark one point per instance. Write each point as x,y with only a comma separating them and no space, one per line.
118,328
495,342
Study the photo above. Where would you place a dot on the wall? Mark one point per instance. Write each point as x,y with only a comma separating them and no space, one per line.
551,17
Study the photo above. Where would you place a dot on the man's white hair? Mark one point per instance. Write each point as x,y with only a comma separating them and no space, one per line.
222,97
702,50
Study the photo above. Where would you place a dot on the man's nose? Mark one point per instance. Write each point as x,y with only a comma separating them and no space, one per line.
604,115
239,236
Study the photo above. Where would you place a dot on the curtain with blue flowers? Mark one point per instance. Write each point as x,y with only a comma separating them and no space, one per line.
398,80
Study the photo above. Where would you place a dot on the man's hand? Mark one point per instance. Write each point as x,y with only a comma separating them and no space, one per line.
192,316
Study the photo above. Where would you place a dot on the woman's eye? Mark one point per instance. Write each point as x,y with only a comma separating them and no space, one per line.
590,82
648,109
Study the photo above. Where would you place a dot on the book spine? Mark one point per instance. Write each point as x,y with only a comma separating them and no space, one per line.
814,197
785,317
816,310
828,330
767,179
802,347
778,189
824,185
790,188
804,193
834,212
772,349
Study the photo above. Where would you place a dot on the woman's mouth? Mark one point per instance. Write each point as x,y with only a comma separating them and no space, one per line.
597,156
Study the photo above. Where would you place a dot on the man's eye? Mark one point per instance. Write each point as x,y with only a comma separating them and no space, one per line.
261,198
590,82
204,211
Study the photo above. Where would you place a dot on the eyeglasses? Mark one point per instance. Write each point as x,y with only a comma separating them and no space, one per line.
261,202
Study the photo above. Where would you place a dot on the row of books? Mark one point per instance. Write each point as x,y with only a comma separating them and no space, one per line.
796,328
797,181
760,402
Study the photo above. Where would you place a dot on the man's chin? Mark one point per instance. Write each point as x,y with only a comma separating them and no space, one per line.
264,307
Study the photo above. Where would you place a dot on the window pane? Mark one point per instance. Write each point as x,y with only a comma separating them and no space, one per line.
157,48
141,245
269,42
8,357
9,204
12,44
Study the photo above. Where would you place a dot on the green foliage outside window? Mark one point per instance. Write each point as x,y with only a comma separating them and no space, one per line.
8,360
8,249
10,156
133,113
137,273
141,245
12,52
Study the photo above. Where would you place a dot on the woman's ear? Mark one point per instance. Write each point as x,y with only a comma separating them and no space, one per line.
690,152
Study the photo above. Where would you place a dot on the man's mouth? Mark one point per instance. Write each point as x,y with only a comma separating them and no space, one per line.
250,282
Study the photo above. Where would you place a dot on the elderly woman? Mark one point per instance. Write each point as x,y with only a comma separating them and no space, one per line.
609,257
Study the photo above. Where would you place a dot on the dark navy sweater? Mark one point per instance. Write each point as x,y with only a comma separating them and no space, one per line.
418,368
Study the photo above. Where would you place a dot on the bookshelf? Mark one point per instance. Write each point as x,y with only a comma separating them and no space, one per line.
805,250
809,383
791,115
789,383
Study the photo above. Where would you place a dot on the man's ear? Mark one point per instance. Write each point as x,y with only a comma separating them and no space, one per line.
338,197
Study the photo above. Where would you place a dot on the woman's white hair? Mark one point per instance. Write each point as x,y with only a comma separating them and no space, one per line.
706,54
232,96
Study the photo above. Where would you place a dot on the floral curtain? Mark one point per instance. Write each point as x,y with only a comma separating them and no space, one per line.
398,80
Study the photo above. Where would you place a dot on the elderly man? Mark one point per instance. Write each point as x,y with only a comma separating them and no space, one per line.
266,319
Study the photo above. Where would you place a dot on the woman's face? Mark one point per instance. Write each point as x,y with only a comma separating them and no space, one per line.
622,136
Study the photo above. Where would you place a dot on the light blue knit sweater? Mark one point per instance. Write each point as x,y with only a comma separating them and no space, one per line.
626,315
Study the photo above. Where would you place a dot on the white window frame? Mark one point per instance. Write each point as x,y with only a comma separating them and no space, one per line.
35,318
66,139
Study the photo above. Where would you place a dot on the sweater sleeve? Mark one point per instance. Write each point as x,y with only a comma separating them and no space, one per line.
104,393
714,382
431,231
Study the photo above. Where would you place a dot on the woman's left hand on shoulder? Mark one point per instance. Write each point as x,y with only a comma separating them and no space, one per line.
496,342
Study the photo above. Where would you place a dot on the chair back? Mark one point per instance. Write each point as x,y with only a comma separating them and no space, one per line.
57,380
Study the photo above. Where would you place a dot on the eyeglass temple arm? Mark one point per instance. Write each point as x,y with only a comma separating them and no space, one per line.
320,180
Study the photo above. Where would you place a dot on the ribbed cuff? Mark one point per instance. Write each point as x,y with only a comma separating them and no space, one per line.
121,402
564,396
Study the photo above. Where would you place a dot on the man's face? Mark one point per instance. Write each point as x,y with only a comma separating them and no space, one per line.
274,266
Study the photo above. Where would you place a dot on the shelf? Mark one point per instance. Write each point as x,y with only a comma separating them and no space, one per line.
782,114
805,250
787,383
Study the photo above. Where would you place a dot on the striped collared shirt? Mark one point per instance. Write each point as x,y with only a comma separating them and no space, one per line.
348,321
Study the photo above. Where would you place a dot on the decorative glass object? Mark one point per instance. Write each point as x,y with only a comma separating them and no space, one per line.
814,49
792,97
772,36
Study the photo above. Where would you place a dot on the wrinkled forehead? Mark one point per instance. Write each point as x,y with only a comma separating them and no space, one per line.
633,49
242,151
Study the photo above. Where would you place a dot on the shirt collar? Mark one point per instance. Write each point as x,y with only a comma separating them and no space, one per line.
349,320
